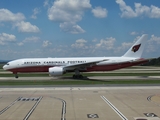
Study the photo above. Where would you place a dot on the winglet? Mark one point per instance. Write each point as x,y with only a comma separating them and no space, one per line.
137,49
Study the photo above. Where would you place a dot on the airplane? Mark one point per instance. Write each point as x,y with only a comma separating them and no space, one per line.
60,66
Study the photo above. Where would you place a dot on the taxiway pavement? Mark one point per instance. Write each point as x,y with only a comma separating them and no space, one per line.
80,103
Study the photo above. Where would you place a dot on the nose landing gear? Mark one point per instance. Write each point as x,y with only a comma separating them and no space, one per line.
16,75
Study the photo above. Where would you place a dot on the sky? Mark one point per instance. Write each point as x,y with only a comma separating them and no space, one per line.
77,28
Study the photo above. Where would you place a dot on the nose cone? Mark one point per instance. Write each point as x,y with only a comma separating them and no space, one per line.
5,67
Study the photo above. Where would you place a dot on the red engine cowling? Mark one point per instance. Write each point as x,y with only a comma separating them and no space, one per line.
56,71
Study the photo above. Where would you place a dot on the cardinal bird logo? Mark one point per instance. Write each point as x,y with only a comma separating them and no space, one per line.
136,48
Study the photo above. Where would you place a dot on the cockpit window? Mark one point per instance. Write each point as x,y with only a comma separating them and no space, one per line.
7,64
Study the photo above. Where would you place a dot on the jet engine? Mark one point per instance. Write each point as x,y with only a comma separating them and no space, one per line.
56,71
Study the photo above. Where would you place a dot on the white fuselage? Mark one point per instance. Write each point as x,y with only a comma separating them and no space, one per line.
43,64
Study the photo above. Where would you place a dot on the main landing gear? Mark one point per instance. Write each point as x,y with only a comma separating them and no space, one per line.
77,75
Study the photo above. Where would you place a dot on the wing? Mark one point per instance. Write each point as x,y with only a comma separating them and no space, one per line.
83,65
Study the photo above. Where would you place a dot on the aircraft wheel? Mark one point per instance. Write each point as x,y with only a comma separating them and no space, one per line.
16,76
74,76
80,76
77,76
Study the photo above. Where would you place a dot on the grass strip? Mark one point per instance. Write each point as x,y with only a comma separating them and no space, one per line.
76,82
25,75
84,74
116,74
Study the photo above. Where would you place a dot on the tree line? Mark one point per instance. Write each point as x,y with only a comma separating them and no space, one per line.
153,62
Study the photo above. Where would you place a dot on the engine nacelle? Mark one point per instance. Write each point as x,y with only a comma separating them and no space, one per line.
56,71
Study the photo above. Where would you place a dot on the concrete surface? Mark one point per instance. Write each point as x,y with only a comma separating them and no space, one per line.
81,103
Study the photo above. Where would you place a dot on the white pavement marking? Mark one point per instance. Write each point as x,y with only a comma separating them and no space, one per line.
114,108
33,108
63,116
2,111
